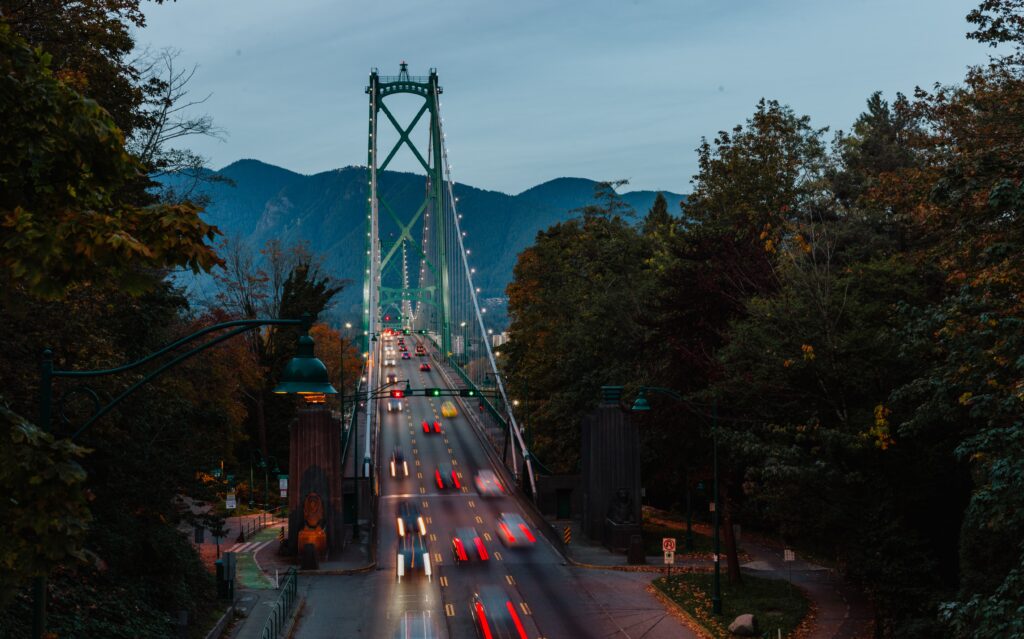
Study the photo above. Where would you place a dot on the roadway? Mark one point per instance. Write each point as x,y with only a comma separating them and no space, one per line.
552,599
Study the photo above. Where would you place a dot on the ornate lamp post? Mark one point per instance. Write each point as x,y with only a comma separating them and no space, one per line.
642,405
304,375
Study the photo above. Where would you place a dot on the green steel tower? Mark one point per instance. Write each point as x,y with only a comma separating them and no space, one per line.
388,291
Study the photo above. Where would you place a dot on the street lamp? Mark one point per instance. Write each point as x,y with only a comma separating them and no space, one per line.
641,405
303,375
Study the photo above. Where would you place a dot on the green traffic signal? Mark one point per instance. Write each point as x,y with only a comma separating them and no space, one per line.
467,392
432,392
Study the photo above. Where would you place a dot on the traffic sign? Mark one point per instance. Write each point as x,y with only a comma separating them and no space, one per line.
788,555
670,557
668,544
231,504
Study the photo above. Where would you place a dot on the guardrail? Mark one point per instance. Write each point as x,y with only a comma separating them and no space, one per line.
282,608
255,524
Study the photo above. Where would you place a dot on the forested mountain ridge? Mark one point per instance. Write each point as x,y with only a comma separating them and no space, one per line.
327,210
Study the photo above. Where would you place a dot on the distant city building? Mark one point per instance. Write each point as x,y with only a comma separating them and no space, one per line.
499,339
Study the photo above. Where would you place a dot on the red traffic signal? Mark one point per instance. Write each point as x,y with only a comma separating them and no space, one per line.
397,394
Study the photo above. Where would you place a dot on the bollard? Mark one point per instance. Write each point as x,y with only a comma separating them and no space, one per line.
567,534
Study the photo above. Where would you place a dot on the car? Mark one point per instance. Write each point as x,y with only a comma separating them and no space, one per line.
402,348
406,356
448,410
394,405
487,484
425,367
392,378
412,541
468,546
513,531
399,467
389,362
421,351
410,521
494,614
445,477
428,428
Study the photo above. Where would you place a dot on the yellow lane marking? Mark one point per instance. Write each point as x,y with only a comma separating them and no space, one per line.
465,489
415,451
423,491
417,462
428,520
479,519
426,504
437,557
449,451
472,504
497,555
444,581
526,609
413,441
455,462
449,609
433,537
487,536
419,475
510,579
459,474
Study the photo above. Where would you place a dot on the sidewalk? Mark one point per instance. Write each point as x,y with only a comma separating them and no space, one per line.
840,612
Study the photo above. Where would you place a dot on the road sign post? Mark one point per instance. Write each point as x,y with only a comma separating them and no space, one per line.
668,546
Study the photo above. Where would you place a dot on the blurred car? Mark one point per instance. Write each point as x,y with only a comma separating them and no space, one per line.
445,477
421,351
417,624
428,428
394,405
389,362
399,467
402,348
425,367
448,410
494,614
487,484
468,546
406,356
514,531
412,541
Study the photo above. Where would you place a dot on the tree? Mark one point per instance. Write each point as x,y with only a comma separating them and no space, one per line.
62,221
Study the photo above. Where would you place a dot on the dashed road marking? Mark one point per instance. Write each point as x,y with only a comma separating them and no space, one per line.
423,491
449,451
417,462
471,503
449,609
479,519
465,489
433,537
428,520
487,536
415,451
459,474
497,555
437,557
510,579
426,504
455,462
444,581
419,475
526,609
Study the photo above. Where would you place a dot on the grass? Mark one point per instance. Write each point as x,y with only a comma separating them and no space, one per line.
775,603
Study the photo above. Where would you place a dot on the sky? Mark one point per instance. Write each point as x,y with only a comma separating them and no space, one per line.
539,89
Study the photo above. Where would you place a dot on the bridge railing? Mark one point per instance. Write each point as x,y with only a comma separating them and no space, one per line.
282,607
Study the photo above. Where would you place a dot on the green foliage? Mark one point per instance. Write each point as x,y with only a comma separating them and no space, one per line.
62,216
44,515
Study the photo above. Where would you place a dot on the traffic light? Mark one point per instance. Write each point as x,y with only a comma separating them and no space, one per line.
405,331
467,392
397,394
432,392
387,318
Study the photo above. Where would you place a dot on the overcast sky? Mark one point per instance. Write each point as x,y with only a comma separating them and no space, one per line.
538,89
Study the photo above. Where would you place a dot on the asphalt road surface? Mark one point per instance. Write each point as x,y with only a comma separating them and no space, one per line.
552,600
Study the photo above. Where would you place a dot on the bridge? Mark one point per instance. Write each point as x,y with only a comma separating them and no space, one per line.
460,549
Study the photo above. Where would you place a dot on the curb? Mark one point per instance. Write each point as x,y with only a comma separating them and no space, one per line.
341,571
222,623
676,610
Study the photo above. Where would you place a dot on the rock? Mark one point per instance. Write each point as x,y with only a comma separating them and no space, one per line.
744,626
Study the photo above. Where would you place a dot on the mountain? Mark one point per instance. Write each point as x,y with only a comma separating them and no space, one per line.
328,211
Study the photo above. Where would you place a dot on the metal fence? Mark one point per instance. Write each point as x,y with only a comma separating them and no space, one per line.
253,525
282,608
